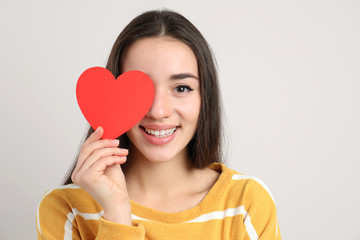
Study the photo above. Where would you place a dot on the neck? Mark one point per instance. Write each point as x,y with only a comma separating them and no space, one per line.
158,180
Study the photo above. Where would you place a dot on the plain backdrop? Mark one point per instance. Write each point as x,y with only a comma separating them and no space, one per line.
290,80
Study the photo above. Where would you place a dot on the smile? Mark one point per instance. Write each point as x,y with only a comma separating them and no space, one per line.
160,133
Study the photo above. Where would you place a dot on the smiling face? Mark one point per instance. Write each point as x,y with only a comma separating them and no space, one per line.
171,122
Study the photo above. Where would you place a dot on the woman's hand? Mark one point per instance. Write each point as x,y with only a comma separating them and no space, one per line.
98,172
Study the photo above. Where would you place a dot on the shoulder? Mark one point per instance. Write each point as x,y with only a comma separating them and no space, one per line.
66,199
251,186
244,188
251,197
62,193
65,208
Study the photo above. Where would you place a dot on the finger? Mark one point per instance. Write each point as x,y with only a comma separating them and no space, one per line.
102,143
96,135
115,172
100,166
95,171
87,150
102,153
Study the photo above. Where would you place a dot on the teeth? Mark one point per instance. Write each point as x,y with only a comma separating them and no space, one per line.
161,133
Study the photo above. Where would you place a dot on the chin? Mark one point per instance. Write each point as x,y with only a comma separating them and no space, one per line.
158,156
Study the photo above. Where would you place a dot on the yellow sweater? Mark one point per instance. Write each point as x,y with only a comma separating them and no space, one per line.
237,207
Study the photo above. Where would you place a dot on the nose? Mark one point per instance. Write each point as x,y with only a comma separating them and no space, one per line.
161,106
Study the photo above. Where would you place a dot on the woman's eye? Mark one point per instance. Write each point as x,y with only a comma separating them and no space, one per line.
183,89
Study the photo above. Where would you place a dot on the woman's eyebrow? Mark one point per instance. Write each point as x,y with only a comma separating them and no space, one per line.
180,76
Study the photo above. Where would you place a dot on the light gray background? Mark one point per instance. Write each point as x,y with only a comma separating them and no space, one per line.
290,79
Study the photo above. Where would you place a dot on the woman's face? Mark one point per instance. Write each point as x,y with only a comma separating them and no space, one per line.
171,122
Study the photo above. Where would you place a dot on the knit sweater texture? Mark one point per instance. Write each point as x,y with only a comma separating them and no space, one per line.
238,206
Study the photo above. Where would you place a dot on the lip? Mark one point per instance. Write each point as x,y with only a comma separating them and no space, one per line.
158,127
157,140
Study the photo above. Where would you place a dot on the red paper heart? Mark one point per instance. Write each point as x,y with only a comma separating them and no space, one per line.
115,104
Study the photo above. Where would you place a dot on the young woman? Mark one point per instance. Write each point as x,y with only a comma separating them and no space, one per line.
164,178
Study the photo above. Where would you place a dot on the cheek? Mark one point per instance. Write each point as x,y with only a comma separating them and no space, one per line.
190,109
132,132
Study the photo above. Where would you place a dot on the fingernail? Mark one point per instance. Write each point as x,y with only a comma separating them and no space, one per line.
98,129
115,141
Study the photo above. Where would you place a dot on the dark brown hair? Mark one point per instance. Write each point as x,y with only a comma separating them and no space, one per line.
205,147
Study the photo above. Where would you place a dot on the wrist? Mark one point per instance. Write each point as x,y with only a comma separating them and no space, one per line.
119,214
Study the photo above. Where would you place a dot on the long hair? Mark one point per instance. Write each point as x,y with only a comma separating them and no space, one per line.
206,145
